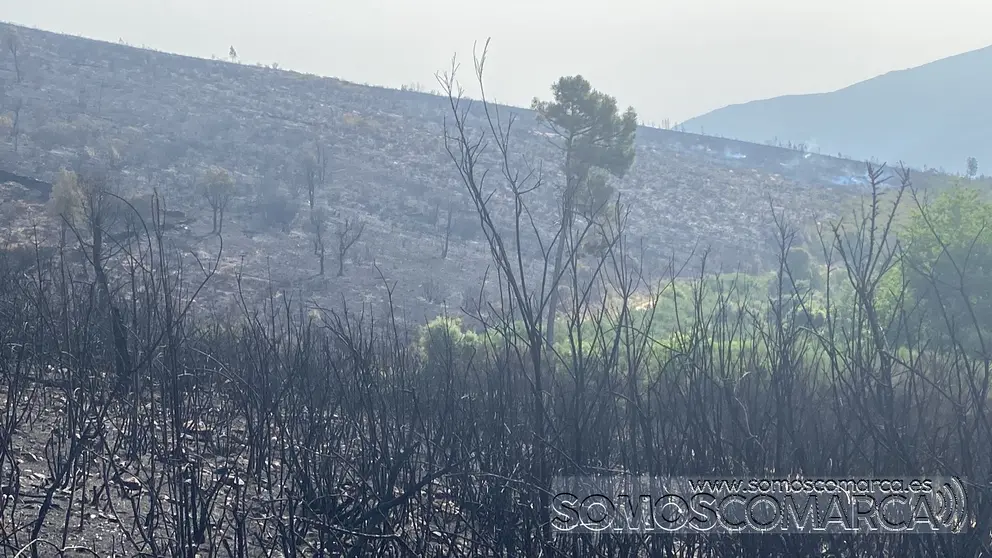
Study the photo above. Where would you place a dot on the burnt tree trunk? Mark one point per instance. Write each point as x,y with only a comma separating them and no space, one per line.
447,236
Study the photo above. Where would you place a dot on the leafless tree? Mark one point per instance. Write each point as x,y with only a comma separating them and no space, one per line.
315,172
526,297
91,212
15,128
447,234
13,45
349,232
218,190
318,226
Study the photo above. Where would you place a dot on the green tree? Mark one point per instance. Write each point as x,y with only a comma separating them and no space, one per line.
596,142
67,196
972,167
803,268
948,265
89,203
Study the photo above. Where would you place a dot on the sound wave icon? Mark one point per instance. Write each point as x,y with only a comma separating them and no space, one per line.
952,504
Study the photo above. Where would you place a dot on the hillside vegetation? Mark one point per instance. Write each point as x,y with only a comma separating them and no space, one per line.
170,118
935,115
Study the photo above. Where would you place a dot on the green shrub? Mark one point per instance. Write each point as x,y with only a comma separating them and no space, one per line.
444,341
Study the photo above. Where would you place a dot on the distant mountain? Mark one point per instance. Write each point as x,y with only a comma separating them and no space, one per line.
935,115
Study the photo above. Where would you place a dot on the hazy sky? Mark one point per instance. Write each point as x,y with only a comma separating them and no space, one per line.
669,59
